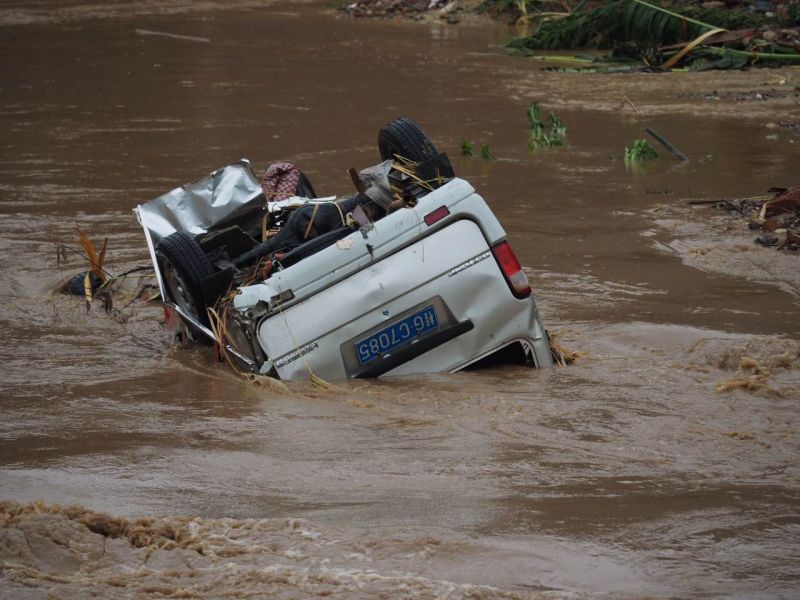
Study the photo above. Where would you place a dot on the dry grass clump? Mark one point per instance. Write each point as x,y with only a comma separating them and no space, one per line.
562,356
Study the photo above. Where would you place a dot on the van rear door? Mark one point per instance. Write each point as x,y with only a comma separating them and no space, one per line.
413,303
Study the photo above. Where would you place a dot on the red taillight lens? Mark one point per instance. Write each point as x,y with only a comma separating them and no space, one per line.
436,215
509,265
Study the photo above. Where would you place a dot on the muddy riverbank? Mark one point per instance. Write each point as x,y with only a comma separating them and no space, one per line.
663,463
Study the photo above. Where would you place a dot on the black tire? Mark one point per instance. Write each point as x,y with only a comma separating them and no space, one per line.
183,266
404,138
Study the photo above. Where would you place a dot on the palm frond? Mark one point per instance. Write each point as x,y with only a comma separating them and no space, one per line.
616,22
95,259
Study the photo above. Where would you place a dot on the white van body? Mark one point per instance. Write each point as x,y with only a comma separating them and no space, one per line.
421,290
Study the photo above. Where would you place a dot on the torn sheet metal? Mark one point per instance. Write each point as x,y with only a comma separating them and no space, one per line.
196,206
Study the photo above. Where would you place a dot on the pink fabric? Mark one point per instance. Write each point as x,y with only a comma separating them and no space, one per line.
280,181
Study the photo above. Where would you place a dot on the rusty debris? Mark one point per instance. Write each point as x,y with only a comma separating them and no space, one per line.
777,218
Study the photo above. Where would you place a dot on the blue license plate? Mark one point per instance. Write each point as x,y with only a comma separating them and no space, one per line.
396,335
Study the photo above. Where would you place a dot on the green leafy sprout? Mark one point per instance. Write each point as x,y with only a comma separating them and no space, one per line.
640,150
540,136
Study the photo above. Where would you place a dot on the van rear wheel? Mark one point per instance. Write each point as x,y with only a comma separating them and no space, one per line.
183,266
404,138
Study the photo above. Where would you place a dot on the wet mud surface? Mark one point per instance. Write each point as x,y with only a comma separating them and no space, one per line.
663,463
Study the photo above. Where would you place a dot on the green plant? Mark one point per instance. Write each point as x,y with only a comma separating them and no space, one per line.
793,15
558,131
639,150
616,22
467,149
486,154
539,136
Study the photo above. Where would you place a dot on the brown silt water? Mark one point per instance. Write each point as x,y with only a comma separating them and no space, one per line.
662,463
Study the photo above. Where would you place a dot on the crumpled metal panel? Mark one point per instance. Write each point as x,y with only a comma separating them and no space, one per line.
196,206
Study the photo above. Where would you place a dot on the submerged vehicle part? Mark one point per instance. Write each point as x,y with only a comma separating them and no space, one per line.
432,286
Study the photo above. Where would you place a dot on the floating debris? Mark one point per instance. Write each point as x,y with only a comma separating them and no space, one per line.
174,36
561,356
99,284
667,144
777,217
666,35
445,10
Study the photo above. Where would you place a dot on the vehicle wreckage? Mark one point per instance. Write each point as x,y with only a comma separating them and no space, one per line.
413,274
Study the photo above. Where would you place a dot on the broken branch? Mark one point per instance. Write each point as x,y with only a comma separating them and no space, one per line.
667,144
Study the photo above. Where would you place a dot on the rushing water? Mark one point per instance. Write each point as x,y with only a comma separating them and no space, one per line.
663,463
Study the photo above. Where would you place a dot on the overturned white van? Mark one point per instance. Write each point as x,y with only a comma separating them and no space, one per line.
429,285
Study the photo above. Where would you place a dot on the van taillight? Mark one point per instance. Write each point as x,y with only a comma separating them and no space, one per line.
509,265
436,215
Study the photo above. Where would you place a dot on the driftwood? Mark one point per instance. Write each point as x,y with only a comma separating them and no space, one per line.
667,144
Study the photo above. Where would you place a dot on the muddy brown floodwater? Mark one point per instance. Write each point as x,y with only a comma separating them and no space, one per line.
664,463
